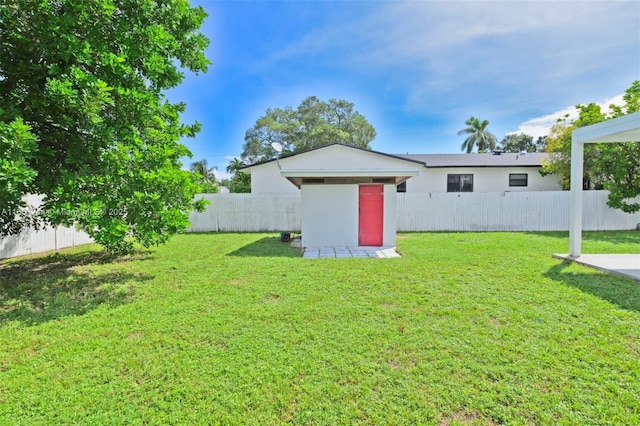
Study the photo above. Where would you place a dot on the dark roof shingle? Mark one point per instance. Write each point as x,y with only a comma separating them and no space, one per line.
530,159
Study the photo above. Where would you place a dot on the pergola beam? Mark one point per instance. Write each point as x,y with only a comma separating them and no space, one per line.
621,129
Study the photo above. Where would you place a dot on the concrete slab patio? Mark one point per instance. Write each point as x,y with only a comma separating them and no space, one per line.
344,252
627,265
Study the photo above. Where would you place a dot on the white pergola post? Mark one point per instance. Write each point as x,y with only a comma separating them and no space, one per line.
621,129
577,167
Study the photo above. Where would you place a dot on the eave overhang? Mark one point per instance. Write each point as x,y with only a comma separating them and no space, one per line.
353,176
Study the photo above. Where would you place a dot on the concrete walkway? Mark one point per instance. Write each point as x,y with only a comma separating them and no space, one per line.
627,265
344,252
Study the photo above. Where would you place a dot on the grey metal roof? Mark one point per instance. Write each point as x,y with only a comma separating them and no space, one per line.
530,159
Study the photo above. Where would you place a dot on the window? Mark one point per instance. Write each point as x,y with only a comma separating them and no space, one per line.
518,179
459,183
402,187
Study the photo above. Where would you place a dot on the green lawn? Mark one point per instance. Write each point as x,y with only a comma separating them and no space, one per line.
465,328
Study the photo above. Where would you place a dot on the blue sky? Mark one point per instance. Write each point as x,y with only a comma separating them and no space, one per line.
416,70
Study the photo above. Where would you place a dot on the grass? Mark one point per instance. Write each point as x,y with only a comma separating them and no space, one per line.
464,329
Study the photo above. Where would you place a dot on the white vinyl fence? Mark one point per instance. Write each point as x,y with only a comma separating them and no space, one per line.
248,213
507,211
500,211
510,211
30,241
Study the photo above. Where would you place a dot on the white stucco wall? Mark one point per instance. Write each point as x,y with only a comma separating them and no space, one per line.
266,178
485,179
389,216
329,215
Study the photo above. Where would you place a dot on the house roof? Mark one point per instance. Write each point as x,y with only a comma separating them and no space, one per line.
531,159
398,157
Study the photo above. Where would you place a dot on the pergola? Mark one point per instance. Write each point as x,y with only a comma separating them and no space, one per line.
621,129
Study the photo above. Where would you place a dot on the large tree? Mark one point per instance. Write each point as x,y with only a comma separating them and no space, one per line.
83,118
314,123
478,137
611,166
518,143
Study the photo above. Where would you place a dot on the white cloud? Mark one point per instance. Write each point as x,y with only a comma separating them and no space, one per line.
220,175
540,126
445,52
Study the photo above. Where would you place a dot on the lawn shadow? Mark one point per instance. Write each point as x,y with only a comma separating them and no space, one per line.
41,289
267,247
623,292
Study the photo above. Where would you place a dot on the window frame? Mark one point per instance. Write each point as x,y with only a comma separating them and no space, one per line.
461,183
513,183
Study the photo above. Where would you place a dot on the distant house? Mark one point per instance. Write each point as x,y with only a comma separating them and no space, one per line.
491,172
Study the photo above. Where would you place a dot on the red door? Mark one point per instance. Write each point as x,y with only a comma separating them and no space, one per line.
371,204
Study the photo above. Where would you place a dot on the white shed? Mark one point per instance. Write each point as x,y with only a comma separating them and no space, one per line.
348,194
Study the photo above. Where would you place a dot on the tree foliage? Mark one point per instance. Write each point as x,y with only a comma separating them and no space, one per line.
235,165
83,118
312,124
611,166
17,146
521,142
240,182
478,137
205,176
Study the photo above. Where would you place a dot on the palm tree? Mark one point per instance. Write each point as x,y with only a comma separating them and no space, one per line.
207,173
235,165
478,136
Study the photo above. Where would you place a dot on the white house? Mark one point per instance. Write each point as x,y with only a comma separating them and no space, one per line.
436,172
348,195
491,172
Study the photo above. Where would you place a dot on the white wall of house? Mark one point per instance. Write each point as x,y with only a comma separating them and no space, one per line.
337,157
389,216
485,179
329,215
267,178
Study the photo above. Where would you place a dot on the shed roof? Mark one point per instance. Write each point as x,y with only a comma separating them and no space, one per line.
531,159
399,157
